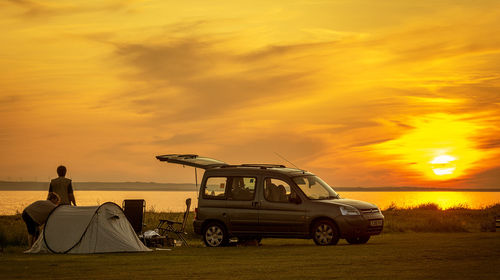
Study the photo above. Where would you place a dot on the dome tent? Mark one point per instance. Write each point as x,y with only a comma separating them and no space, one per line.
86,230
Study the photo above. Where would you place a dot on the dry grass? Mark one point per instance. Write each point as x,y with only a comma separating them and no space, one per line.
12,231
430,218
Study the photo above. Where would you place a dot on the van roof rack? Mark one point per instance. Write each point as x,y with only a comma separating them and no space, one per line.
257,165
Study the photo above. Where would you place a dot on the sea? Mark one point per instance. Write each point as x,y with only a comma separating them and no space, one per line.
13,202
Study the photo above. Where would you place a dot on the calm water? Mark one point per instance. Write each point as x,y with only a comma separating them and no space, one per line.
165,201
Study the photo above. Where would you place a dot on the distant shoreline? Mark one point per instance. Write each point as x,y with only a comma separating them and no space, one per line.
151,186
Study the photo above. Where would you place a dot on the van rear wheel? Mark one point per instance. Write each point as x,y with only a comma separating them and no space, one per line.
324,232
215,235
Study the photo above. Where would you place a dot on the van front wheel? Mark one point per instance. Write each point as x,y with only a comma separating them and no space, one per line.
324,232
215,235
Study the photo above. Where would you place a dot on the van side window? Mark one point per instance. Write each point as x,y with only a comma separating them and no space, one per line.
242,188
276,190
215,188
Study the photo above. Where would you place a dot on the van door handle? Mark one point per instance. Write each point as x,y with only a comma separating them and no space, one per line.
255,203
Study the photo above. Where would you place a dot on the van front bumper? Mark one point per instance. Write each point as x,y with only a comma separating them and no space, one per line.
362,225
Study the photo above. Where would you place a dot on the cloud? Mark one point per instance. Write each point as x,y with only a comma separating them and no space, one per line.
8,100
174,63
42,9
33,8
371,142
488,144
273,51
180,139
489,178
199,83
199,75
197,80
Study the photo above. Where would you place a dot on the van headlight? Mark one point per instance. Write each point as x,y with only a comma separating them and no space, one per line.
349,211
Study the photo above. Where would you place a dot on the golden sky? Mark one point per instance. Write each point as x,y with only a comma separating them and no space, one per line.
361,93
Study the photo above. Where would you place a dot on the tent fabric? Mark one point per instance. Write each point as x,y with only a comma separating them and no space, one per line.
86,230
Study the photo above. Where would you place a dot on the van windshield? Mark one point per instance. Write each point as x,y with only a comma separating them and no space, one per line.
315,188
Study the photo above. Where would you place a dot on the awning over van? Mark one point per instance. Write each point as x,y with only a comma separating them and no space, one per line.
192,160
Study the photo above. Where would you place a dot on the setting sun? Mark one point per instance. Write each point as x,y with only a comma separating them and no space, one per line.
438,147
443,165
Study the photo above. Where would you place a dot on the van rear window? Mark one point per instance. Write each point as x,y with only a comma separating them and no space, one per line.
215,188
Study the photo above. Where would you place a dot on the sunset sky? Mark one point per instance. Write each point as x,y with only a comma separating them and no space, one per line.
361,93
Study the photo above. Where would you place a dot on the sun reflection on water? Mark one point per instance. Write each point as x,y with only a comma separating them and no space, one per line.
444,200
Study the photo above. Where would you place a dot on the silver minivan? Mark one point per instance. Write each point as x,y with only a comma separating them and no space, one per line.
254,201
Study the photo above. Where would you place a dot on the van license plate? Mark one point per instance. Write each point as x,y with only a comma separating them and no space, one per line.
376,223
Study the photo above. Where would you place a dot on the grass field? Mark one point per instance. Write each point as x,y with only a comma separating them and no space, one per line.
399,256
422,242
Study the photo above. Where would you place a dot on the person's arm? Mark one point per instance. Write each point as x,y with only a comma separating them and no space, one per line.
50,190
71,196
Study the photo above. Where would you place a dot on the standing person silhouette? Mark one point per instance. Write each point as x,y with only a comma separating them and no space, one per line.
62,186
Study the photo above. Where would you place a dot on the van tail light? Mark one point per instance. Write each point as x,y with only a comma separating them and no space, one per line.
196,213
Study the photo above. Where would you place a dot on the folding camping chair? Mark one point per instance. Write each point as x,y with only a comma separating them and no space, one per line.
167,226
134,211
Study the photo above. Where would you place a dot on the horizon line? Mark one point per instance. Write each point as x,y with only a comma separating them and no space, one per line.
130,188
